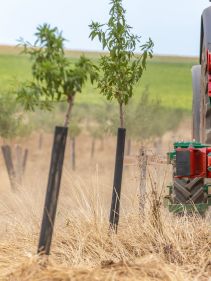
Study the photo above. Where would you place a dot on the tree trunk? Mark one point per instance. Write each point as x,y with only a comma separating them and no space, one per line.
73,153
70,101
121,114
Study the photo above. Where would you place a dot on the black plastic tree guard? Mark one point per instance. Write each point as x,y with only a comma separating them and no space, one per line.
52,194
115,203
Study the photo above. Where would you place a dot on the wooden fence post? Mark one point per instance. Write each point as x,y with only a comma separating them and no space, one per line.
143,174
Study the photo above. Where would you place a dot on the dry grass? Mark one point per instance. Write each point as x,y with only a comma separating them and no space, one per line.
156,247
15,50
83,250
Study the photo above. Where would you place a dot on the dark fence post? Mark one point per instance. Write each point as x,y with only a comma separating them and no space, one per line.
52,194
115,203
19,155
25,157
7,154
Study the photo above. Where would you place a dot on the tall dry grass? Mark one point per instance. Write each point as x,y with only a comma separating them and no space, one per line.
158,246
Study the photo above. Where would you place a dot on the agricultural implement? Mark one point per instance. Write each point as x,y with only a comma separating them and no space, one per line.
191,187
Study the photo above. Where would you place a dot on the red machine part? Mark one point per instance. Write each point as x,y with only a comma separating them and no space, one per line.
209,160
209,72
200,162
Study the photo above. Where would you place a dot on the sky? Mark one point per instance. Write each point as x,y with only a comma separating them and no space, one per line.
174,26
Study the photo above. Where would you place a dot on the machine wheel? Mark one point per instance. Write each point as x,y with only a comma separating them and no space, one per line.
205,112
188,191
196,79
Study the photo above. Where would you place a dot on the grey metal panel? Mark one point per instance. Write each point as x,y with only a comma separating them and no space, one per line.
196,77
183,163
205,30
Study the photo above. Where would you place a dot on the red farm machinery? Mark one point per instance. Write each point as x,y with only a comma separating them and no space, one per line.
191,187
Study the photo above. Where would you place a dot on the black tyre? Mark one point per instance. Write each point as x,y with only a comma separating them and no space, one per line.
196,80
188,191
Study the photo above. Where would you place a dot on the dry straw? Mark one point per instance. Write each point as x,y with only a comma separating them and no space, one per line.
159,246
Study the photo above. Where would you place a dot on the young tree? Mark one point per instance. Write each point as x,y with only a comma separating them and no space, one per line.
122,68
96,132
102,124
121,71
54,76
143,118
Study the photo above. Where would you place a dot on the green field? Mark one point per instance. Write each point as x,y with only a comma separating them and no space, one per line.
168,78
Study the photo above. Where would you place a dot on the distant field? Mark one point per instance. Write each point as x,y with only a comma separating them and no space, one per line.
168,78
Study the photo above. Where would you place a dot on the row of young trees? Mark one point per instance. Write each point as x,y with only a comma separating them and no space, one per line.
142,120
55,78
99,122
